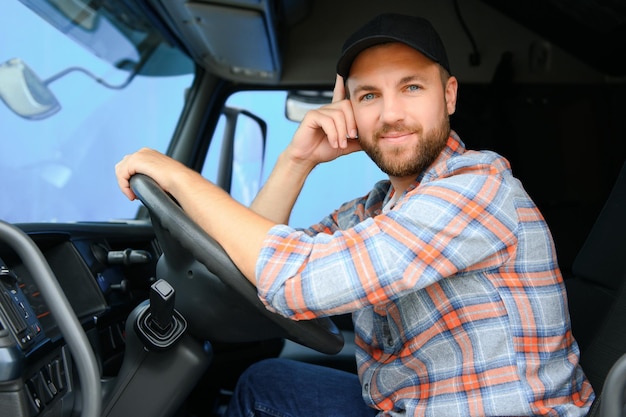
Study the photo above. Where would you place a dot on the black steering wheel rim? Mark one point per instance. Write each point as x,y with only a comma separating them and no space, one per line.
181,236
84,359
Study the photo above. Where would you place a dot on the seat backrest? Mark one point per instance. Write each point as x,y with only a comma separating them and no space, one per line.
600,267
597,290
601,257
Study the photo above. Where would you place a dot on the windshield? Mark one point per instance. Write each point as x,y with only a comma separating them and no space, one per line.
58,166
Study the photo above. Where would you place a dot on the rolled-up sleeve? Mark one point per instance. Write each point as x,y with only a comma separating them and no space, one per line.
436,232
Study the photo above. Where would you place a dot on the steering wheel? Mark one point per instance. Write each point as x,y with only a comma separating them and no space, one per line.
72,330
216,299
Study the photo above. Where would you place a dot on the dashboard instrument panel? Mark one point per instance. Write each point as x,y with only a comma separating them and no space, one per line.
25,310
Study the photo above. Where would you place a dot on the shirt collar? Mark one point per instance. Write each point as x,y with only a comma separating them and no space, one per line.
454,146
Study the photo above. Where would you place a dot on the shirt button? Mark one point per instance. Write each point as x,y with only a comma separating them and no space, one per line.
366,386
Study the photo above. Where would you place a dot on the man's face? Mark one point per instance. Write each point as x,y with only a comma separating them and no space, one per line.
401,107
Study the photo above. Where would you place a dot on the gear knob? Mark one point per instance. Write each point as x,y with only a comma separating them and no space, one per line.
162,297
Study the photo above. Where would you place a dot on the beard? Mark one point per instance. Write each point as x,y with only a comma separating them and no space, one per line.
401,161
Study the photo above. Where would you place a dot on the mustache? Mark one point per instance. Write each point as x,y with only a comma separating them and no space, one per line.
396,128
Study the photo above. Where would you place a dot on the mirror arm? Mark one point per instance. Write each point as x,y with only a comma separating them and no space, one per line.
91,75
150,45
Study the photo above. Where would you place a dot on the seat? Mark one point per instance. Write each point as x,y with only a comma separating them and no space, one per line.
597,301
613,396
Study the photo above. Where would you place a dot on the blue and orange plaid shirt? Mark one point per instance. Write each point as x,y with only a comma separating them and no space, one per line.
457,299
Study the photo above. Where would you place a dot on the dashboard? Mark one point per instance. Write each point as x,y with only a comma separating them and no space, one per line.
105,270
24,306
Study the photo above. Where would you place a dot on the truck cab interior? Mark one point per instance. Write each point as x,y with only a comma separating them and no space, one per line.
114,313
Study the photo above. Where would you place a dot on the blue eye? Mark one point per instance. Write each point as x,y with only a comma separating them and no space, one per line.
368,96
413,88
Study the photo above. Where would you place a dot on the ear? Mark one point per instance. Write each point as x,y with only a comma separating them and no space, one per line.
450,92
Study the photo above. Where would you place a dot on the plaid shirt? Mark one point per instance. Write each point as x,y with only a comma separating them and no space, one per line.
458,303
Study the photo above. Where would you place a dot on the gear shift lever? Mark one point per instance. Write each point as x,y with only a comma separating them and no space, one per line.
158,356
160,325
162,306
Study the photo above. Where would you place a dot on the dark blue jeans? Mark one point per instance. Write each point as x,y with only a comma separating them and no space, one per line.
286,388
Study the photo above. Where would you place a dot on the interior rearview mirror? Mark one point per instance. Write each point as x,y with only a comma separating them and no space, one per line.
299,102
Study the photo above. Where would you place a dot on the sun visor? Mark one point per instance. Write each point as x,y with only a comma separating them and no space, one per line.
234,39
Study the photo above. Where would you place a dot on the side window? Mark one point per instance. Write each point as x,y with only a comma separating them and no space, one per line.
328,186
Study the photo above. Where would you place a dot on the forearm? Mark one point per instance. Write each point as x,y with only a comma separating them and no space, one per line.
223,218
323,135
280,192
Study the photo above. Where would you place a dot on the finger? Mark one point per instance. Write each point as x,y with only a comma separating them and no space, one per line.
343,124
123,178
332,123
349,123
339,92
353,146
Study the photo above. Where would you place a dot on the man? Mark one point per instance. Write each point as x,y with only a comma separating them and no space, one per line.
448,268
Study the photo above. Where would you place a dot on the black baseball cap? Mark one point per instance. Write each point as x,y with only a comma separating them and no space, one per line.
413,31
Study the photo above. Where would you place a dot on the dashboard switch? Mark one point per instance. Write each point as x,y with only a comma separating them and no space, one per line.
129,257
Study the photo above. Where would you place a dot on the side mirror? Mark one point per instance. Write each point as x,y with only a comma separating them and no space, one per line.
24,92
28,96
243,150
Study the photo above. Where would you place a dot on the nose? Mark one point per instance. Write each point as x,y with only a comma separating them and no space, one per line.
393,109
